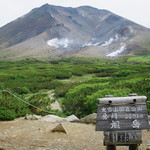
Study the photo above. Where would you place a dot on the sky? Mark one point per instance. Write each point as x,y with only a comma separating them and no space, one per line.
134,10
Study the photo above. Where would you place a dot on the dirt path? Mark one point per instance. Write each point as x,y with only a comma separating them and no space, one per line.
23,134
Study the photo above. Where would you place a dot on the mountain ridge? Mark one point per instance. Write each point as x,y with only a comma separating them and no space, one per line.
50,31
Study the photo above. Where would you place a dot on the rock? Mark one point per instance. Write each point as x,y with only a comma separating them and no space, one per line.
32,117
59,128
72,118
52,118
56,106
89,119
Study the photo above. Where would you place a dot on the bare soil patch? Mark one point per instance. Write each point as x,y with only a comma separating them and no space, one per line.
22,134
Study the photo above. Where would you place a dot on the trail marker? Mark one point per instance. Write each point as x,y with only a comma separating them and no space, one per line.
122,119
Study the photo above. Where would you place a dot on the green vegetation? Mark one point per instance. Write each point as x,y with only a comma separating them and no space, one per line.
6,114
140,59
76,82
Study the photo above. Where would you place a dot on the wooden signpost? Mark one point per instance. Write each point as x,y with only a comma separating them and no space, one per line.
122,119
122,137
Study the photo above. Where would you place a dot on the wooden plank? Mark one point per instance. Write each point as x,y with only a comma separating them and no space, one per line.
121,125
126,112
126,117
122,100
122,137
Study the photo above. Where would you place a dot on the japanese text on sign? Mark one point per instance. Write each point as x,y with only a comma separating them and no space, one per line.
122,117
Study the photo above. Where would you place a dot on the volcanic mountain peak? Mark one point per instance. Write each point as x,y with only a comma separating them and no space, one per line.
54,30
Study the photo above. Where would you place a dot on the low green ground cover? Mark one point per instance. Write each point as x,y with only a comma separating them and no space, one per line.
77,83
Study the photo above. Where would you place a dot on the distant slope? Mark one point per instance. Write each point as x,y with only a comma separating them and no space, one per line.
50,31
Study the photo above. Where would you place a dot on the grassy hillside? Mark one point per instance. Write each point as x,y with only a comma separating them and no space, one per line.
76,82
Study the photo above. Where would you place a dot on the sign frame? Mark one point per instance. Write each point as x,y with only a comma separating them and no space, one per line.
122,117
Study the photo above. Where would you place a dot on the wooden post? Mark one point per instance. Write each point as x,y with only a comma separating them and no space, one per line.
134,147
111,147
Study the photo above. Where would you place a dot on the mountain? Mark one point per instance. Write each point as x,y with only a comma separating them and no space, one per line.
50,31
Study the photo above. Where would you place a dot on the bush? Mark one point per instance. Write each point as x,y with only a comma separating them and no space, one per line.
12,103
44,79
85,102
42,101
81,91
75,99
124,73
60,74
54,84
125,83
98,80
63,89
17,76
142,87
106,71
46,85
22,90
92,100
23,112
78,72
6,114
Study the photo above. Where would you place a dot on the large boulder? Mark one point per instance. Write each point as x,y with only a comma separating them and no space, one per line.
89,119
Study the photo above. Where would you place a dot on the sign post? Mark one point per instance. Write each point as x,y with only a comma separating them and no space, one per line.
122,119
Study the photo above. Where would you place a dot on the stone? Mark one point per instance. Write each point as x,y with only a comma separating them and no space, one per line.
59,128
89,119
56,106
72,118
52,118
32,117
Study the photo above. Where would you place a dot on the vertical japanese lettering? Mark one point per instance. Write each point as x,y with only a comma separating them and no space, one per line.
136,124
114,116
115,125
105,116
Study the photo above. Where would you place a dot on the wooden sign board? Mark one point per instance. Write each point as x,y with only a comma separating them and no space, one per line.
122,117
122,137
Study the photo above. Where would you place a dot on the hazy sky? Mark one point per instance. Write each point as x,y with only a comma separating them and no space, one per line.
135,10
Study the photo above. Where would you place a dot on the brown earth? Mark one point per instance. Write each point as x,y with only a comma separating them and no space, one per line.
22,134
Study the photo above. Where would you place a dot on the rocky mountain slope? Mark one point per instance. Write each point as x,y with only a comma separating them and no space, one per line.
50,31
